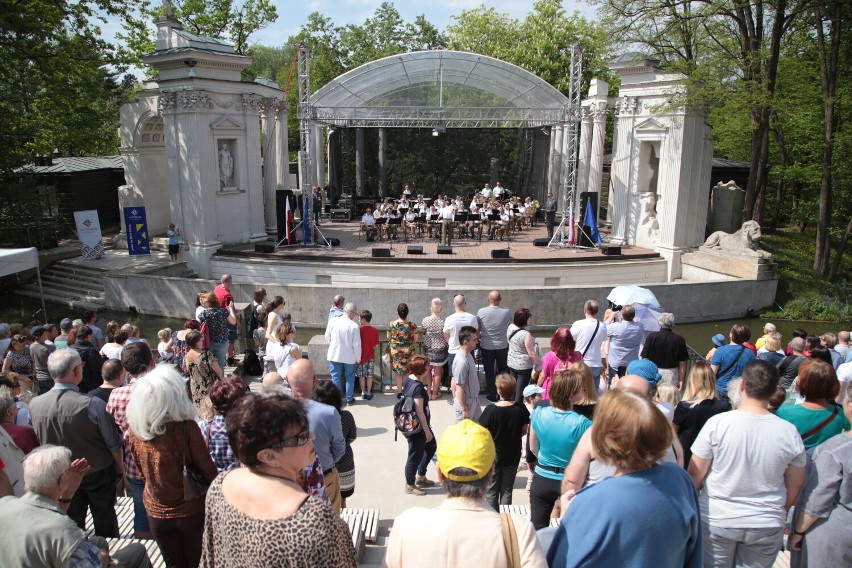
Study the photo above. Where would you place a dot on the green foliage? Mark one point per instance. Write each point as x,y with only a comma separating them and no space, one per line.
803,294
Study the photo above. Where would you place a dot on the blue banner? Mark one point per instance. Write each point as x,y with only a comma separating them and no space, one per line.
136,227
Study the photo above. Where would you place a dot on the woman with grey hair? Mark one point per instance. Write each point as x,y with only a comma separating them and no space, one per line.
168,446
5,336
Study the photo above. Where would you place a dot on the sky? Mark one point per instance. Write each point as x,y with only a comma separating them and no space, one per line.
293,14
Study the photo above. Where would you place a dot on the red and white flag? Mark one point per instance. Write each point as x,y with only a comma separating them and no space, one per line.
288,213
572,229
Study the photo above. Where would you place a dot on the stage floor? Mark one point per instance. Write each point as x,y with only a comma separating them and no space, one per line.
464,250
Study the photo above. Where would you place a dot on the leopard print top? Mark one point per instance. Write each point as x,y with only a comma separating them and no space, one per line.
312,536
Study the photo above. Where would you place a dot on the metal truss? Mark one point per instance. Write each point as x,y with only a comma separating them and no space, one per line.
569,159
305,134
428,117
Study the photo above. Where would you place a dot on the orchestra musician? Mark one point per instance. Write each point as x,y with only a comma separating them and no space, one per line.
368,223
486,192
409,224
448,214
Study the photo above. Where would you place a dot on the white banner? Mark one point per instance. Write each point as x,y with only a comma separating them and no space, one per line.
89,230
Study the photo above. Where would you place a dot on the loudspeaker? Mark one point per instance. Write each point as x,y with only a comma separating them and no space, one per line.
500,253
266,247
541,242
415,249
444,249
381,253
585,197
281,197
341,214
610,250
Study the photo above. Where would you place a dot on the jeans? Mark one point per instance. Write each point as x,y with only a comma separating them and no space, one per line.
491,359
140,515
522,379
543,495
499,492
96,492
343,372
749,548
220,351
44,385
419,455
179,539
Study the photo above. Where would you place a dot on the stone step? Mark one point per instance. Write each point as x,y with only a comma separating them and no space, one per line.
62,275
71,284
75,302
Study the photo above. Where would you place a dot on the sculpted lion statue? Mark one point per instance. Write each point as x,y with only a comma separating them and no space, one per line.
743,242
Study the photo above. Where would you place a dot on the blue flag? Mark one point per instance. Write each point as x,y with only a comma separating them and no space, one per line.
592,223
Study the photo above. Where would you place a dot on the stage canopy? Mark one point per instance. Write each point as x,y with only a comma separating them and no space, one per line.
13,261
439,89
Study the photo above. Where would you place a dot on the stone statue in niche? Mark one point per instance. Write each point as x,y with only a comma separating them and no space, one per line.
743,242
226,166
129,196
649,211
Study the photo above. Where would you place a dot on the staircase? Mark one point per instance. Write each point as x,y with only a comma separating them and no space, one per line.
79,285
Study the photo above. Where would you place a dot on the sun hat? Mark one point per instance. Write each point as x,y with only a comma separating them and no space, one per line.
718,340
646,369
468,445
532,390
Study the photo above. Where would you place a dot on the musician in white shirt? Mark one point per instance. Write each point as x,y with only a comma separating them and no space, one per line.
369,223
448,213
486,191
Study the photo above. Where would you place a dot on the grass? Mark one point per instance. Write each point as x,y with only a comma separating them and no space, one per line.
804,294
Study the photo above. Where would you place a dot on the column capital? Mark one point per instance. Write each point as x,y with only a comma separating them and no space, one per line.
627,106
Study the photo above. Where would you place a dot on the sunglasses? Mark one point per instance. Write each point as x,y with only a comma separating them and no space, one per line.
296,441
19,338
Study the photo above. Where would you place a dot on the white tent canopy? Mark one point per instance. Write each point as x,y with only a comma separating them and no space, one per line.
13,261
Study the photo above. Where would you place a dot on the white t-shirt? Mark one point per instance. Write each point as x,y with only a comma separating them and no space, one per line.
453,325
844,375
745,487
111,351
283,358
583,330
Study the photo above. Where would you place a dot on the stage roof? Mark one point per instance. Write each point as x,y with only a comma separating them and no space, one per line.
451,88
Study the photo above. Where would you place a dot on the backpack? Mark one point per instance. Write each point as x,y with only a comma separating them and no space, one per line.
251,364
405,417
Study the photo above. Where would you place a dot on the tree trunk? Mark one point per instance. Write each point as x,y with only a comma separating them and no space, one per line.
828,74
835,266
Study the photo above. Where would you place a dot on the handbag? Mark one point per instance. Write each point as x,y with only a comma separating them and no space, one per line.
194,484
205,336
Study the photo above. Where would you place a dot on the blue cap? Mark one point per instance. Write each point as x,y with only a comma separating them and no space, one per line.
645,369
718,340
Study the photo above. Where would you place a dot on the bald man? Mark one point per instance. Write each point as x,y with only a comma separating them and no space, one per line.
273,383
324,423
453,324
494,320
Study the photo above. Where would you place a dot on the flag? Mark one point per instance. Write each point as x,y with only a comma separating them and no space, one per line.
592,223
572,229
289,216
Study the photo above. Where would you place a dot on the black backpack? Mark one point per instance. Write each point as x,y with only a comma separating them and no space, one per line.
405,417
251,364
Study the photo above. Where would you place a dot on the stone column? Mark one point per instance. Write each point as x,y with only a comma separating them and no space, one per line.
360,165
626,109
383,151
585,149
276,162
253,162
598,112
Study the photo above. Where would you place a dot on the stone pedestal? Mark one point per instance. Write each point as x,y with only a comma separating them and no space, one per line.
727,264
318,352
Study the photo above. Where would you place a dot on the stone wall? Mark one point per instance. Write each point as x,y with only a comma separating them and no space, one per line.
309,304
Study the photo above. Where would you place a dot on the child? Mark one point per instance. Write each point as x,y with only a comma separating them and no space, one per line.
668,394
508,423
777,400
165,345
369,341
327,393
532,398
174,241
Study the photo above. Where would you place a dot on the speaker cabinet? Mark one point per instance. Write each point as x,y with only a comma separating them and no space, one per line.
586,197
500,253
611,250
266,248
415,249
444,249
381,253
541,242
341,214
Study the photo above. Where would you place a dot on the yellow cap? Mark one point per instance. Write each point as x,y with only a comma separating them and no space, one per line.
469,445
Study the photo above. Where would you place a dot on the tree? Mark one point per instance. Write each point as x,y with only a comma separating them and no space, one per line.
231,20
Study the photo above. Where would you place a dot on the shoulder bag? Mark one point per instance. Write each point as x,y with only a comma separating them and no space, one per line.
732,365
510,540
823,424
194,484
589,344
